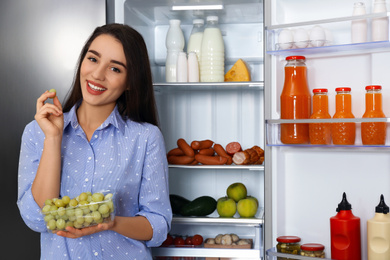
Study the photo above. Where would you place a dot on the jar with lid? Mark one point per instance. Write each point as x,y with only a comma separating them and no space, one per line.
288,245
295,102
373,133
320,133
343,133
313,250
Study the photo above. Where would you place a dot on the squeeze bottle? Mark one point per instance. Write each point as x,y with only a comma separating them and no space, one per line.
359,27
175,44
345,233
378,233
380,26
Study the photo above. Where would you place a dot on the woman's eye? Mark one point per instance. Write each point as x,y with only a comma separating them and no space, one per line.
92,59
115,69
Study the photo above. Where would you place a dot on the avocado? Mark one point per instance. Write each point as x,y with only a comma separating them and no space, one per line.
177,202
201,206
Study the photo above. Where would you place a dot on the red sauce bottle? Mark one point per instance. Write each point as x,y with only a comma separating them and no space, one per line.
345,238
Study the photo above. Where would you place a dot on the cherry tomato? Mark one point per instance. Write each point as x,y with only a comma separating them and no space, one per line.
188,241
197,240
178,241
168,241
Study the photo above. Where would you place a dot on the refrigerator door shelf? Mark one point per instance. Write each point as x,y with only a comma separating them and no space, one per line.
273,255
208,252
221,167
206,86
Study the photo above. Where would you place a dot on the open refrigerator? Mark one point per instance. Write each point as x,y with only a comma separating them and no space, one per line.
298,186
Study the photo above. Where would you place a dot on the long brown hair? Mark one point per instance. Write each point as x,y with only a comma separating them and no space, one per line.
137,102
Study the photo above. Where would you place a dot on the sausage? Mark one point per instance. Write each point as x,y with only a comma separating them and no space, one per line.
175,151
210,160
207,151
233,147
185,147
180,159
198,145
220,151
241,158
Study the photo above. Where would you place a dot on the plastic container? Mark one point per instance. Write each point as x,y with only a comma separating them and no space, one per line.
320,133
175,44
359,27
313,250
193,67
378,233
196,36
85,214
373,133
380,26
345,237
343,133
212,57
182,68
295,101
288,245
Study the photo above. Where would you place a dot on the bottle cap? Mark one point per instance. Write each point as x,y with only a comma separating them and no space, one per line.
382,207
174,21
312,247
198,21
295,58
288,239
344,204
341,89
212,18
372,87
320,90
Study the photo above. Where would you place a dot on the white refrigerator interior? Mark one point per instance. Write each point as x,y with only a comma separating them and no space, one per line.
222,112
307,181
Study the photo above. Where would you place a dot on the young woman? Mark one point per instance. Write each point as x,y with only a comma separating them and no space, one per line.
106,137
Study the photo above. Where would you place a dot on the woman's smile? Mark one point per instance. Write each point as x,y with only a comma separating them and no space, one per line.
94,88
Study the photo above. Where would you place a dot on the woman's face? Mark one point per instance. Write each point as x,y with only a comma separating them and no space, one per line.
103,72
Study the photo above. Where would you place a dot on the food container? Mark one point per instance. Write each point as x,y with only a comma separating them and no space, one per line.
288,245
97,208
313,250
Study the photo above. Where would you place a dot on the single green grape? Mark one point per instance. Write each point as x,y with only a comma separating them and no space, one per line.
69,224
88,218
46,209
51,224
93,207
66,200
72,218
89,193
59,203
53,90
61,211
49,202
73,203
108,196
110,204
105,215
96,215
53,210
80,219
97,197
48,217
70,212
78,212
83,196
89,198
77,225
60,223
103,209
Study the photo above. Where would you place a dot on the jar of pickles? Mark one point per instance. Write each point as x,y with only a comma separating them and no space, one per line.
313,250
288,245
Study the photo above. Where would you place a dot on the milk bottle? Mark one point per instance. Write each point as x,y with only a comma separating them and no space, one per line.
212,57
380,26
175,44
195,41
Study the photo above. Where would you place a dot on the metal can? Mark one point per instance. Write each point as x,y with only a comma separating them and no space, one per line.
288,245
313,250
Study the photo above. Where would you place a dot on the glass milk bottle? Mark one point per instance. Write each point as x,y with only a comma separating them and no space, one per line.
212,57
380,26
175,44
359,27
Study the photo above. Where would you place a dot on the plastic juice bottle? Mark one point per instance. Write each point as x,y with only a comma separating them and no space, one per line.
378,233
320,133
295,102
345,233
343,133
373,133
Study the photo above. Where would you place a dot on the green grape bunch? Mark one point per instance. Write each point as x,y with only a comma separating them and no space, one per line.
85,210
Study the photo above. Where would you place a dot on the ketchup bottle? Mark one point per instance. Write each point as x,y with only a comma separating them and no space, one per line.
345,233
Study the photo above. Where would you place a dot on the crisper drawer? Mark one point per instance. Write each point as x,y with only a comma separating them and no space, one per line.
271,254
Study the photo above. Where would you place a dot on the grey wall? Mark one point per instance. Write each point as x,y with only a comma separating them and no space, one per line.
39,45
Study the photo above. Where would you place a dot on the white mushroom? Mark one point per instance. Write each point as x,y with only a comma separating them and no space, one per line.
226,239
210,241
218,239
235,238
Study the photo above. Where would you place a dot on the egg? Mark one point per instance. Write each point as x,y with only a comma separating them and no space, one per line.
301,38
317,36
285,39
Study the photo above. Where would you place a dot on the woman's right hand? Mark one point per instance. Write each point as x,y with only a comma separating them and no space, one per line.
49,116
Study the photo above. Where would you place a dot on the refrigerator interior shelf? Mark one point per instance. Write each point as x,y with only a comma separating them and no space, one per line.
208,86
207,252
272,254
250,222
330,120
222,167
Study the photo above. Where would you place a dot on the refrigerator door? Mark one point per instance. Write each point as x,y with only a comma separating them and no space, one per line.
40,44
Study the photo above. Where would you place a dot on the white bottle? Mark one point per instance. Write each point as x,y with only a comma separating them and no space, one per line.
182,67
378,233
175,44
359,27
195,41
380,26
193,67
212,56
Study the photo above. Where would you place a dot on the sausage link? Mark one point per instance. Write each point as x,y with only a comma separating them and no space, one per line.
198,145
180,159
210,160
185,147
175,151
220,151
233,147
207,151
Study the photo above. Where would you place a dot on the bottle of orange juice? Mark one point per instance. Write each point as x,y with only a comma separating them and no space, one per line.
373,133
320,133
295,102
343,133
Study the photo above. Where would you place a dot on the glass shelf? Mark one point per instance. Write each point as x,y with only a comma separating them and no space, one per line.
340,40
272,254
221,167
207,86
253,222
207,252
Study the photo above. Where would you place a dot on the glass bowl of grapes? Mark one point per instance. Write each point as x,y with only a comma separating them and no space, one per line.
85,210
